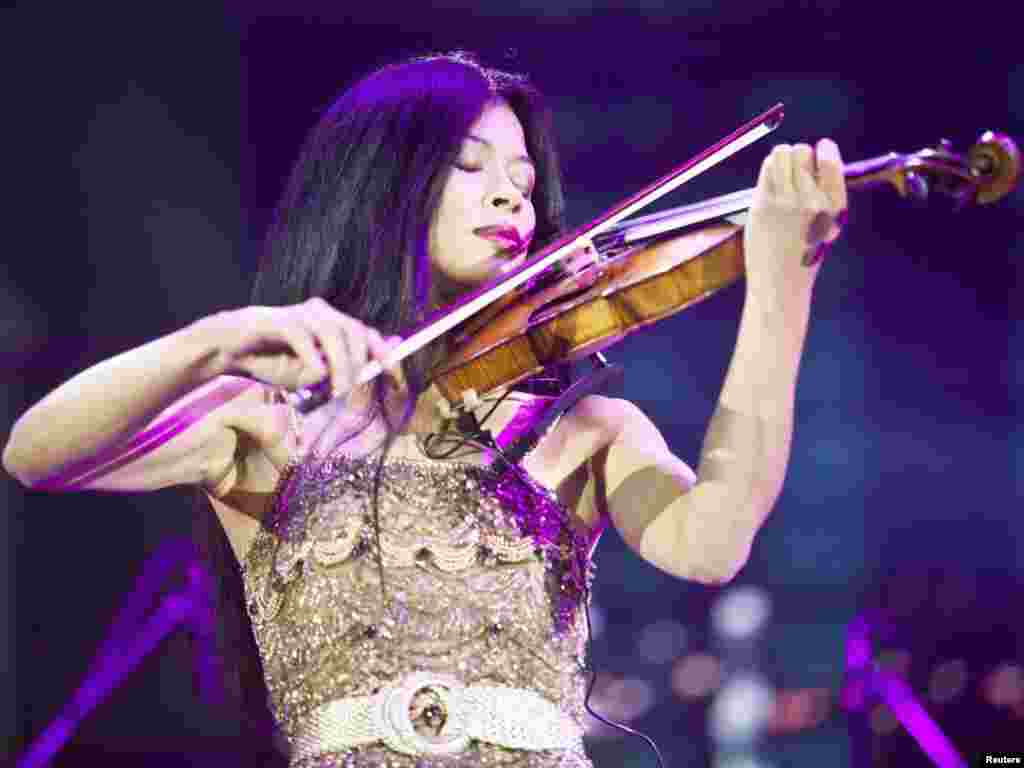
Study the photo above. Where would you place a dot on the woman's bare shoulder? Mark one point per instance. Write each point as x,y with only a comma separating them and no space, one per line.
600,414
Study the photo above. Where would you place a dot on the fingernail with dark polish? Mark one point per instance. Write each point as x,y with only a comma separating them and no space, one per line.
812,257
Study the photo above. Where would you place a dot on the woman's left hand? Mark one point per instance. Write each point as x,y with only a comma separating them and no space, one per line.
798,209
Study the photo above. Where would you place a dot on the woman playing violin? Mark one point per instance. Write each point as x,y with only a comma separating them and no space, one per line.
410,608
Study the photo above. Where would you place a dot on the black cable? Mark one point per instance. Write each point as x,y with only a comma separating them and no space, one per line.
590,688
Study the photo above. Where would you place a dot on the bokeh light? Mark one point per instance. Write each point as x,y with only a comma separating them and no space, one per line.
617,698
1004,686
947,681
661,641
741,612
739,761
741,709
696,675
800,708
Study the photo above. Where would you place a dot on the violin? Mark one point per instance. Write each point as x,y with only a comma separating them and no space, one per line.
598,284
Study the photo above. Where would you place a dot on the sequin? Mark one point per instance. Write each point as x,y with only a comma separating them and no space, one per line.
485,577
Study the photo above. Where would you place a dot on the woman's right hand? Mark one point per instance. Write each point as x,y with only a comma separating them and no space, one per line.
295,346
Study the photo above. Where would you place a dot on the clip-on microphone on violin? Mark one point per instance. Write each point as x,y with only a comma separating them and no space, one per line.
603,375
469,425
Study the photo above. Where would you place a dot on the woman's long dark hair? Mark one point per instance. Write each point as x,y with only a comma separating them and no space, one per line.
355,214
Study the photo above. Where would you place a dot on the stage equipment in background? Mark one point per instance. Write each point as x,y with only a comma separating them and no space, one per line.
132,637
742,707
865,683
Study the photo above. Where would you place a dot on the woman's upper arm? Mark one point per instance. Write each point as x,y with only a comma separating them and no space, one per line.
189,442
636,481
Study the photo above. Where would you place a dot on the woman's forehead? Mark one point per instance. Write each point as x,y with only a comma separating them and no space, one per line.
499,126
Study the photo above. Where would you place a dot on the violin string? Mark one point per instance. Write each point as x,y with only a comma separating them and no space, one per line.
724,201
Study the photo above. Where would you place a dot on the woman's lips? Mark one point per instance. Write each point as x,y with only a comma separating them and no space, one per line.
507,237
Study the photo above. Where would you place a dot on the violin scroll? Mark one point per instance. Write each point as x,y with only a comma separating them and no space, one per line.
987,172
995,161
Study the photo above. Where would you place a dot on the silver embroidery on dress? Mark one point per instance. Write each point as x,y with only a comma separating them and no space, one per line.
484,583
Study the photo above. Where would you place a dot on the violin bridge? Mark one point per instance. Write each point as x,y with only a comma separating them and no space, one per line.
470,399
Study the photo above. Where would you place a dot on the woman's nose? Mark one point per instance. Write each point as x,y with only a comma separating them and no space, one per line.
507,201
505,194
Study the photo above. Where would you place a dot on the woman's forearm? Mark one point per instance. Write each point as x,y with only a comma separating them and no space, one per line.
103,405
747,444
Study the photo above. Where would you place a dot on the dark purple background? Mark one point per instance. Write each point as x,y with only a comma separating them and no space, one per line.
146,150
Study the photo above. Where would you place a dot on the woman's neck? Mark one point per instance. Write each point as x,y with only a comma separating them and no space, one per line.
429,413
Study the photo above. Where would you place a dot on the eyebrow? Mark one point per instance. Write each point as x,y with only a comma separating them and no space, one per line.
519,158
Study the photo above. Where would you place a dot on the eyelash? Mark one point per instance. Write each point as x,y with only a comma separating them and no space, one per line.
468,168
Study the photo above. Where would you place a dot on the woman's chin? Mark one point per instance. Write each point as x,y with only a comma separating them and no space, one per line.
493,267
489,269
507,265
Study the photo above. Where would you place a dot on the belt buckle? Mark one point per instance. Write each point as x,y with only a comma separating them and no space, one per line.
390,713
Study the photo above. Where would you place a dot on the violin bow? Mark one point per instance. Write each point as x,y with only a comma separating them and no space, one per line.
449,317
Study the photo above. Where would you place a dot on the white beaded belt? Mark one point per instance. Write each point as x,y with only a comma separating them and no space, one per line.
509,717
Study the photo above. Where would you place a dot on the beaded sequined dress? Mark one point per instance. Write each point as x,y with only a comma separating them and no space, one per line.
485,571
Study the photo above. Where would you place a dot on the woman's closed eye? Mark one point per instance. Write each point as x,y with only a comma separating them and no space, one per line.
522,175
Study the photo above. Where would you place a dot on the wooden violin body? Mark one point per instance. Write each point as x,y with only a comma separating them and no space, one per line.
591,309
